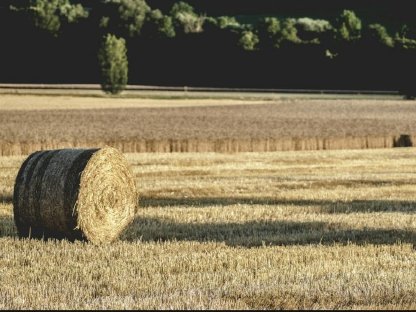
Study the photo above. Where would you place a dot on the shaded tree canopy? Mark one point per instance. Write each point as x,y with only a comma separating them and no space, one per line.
125,17
348,26
176,43
49,15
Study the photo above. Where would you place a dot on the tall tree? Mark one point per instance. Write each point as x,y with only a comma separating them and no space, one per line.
112,58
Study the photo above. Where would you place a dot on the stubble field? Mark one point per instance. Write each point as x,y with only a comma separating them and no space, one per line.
33,122
314,229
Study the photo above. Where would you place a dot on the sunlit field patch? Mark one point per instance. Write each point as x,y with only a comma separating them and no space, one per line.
324,229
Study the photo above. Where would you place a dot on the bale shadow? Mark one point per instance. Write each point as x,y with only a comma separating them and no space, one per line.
325,206
260,233
264,232
6,199
7,227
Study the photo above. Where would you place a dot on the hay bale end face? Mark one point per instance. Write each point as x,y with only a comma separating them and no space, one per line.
86,194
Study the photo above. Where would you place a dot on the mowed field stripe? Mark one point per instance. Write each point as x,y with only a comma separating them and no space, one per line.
59,102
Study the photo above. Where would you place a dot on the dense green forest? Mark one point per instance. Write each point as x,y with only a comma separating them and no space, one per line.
269,44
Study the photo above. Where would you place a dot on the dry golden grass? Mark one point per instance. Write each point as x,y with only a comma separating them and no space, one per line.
61,102
325,229
29,123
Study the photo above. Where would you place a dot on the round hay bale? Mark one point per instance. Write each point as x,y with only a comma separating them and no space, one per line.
86,194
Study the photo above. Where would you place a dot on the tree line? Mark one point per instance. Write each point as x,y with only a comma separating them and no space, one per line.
118,41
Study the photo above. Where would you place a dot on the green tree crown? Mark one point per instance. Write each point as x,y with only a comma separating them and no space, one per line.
248,40
49,15
129,18
349,26
185,19
112,58
377,34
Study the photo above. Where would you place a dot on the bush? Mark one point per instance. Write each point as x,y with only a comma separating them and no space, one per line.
228,21
377,34
289,32
248,41
210,24
349,26
158,25
185,19
269,30
405,38
312,30
125,17
181,7
49,15
112,58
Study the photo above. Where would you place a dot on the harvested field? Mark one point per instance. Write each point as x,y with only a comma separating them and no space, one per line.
29,123
310,230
